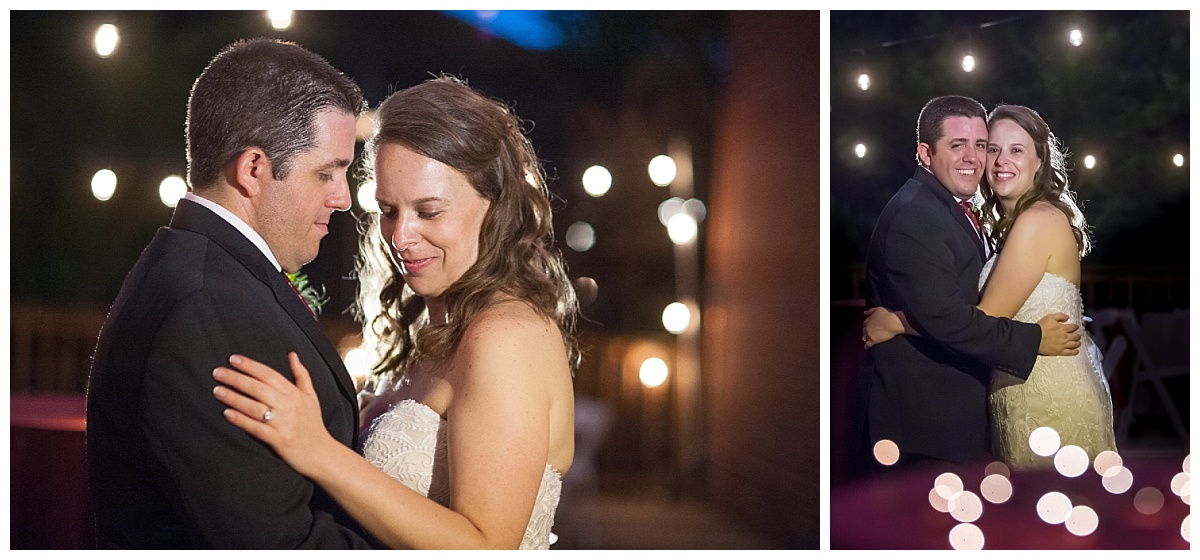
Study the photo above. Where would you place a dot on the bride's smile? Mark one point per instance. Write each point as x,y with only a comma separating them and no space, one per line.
1011,161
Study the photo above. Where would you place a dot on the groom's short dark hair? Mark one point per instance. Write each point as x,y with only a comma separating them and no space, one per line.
261,93
938,109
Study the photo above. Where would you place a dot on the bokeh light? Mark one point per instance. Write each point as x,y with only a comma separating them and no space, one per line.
1185,528
581,236
358,362
171,189
668,209
947,485
937,501
1118,480
1082,521
864,82
860,150
887,452
675,317
106,40
104,184
997,467
662,170
695,208
966,536
966,507
1148,500
653,372
681,228
1054,507
1178,481
366,197
1044,441
1178,160
1076,37
280,19
968,63
1089,161
1106,460
996,488
1071,461
597,180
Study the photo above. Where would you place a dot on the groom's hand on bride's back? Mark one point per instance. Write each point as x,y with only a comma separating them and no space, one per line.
1059,338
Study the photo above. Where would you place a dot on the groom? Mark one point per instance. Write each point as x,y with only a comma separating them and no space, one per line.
928,393
270,136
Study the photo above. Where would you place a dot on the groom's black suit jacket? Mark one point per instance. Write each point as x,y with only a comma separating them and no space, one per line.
928,393
166,469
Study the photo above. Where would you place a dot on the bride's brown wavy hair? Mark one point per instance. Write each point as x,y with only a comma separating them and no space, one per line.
1050,181
446,120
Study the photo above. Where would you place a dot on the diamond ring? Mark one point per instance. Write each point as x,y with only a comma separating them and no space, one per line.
267,416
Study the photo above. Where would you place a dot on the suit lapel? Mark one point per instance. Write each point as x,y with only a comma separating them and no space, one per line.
194,217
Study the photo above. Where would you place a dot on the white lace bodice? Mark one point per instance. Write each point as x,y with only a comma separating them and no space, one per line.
408,442
1066,393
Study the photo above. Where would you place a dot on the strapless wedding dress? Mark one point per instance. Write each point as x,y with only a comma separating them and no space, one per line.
1066,393
408,442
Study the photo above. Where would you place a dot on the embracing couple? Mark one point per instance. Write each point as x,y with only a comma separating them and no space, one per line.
974,314
220,416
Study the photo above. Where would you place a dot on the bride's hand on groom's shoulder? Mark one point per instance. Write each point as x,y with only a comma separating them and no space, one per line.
268,406
880,325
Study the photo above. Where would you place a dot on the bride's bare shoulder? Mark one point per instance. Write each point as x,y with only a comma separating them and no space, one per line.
1042,216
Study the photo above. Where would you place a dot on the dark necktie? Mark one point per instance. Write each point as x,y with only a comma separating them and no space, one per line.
966,208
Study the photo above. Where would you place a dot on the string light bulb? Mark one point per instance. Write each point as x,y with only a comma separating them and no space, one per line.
1076,37
968,63
864,81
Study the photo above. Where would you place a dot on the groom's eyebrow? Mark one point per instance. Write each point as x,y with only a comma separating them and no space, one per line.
336,164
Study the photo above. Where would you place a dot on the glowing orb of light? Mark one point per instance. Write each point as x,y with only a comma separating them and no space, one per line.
104,184
968,63
996,488
1054,507
1148,500
597,180
1187,464
280,19
366,197
864,82
681,228
966,536
358,362
938,502
947,485
669,208
653,372
1118,480
1082,521
171,189
1089,161
1185,528
1178,481
887,453
1178,160
1106,460
1044,441
107,37
662,170
675,317
1071,461
581,236
966,507
997,467
1076,37
860,150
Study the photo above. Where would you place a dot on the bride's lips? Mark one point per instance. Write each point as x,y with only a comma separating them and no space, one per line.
416,265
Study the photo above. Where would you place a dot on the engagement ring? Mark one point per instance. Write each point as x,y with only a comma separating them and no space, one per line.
267,417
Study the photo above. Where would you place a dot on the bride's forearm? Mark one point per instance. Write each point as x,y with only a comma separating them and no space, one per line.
394,513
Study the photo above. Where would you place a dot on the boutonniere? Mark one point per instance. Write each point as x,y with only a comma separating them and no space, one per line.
311,296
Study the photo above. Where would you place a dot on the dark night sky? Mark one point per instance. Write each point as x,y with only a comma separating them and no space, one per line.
1122,96
614,93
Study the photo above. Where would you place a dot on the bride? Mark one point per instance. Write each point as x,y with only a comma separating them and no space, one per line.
470,409
1040,235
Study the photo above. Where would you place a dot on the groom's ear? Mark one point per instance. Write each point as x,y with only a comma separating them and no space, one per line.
251,171
923,153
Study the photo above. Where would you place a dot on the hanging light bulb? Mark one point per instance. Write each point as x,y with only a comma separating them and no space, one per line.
1076,37
864,81
968,63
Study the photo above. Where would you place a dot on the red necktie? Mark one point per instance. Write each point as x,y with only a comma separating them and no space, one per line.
966,208
297,292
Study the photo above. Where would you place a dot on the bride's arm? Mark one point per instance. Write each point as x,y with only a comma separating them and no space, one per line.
498,441
1024,260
